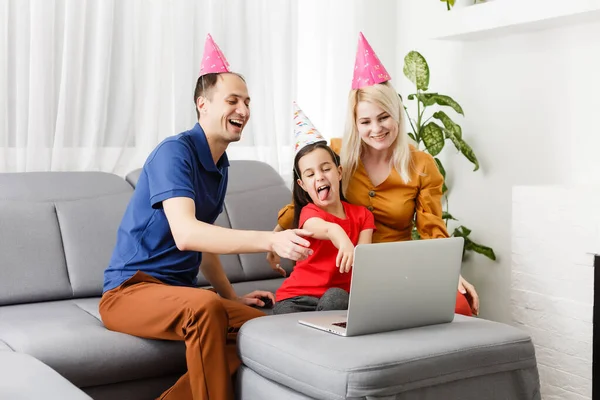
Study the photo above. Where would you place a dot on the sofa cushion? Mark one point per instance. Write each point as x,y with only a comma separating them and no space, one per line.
89,232
32,265
56,186
24,377
69,337
133,177
323,365
42,212
271,285
246,211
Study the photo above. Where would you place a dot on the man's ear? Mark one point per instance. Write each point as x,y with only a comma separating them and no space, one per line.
201,104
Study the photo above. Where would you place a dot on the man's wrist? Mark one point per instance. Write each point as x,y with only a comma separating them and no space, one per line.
266,240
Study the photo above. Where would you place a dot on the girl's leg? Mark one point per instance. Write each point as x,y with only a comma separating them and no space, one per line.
333,299
296,304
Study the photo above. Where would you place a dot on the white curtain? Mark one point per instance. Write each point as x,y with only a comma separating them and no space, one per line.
96,84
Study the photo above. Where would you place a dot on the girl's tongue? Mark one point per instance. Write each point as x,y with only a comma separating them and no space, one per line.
323,194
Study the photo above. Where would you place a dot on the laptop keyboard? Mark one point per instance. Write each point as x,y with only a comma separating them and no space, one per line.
341,324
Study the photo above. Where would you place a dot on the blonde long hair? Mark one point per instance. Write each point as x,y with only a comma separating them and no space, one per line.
384,96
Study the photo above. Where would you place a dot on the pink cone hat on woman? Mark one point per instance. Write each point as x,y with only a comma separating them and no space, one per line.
368,70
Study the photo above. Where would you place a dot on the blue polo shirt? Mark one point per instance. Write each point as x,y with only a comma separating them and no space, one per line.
180,166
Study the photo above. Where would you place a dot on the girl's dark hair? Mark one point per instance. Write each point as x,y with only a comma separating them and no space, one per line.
301,198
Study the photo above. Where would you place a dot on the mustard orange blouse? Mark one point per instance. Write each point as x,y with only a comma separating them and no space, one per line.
395,203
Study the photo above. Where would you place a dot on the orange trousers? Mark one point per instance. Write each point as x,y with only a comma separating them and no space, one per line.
144,306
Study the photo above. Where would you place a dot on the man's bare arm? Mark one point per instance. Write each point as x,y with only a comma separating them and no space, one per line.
193,235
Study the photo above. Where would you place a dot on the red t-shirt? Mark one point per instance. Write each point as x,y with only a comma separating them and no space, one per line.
316,274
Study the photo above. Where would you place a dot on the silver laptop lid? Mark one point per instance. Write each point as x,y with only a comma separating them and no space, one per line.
401,285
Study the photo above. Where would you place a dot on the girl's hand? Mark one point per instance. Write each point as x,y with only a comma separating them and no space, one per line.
345,257
275,262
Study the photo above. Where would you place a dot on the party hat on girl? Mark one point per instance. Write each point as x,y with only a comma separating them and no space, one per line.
305,132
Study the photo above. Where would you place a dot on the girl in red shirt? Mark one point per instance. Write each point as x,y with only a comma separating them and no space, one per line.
322,281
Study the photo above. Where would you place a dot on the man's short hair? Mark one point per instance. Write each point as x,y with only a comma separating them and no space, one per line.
205,85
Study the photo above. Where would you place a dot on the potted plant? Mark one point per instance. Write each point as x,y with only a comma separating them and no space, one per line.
430,134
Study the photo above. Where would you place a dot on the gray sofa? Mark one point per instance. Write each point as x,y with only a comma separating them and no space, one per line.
57,232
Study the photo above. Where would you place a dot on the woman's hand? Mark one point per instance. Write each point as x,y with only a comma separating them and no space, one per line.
469,291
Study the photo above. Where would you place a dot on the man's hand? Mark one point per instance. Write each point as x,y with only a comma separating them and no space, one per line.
290,244
345,256
253,299
469,291
275,262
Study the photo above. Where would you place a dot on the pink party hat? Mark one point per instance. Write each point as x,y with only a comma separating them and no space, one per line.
368,70
213,60
304,131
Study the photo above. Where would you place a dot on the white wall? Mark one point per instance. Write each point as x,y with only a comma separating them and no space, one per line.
552,289
530,102
324,52
327,40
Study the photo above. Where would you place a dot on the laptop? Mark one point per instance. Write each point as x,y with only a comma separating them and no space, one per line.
397,285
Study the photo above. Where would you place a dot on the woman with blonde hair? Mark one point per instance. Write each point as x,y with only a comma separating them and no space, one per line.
382,171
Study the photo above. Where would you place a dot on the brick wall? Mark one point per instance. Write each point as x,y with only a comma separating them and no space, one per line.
555,233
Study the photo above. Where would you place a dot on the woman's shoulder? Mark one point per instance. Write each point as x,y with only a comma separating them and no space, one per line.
420,159
336,145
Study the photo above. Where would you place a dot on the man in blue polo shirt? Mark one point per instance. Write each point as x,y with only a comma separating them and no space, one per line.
167,235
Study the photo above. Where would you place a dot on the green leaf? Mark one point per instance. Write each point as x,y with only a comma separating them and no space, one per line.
433,137
468,152
461,231
429,99
443,172
454,132
412,136
464,148
481,249
449,124
464,232
415,234
440,167
446,215
417,70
